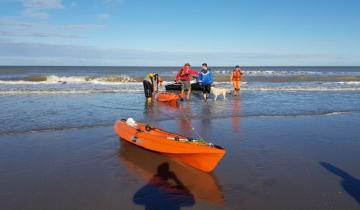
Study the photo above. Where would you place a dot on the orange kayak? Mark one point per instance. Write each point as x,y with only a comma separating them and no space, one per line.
198,154
166,97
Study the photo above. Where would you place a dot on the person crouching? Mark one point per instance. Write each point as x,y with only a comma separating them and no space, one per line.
151,83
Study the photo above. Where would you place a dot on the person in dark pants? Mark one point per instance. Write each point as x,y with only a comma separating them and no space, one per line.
206,78
151,82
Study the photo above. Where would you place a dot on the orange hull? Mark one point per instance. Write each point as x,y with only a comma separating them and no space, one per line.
197,155
166,97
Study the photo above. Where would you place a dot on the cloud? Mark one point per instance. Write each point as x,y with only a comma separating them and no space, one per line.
6,33
37,8
13,23
11,27
81,26
42,4
35,14
104,16
16,53
38,34
10,22
112,2
20,27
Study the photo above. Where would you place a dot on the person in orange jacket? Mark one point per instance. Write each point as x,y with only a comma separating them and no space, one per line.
185,75
235,78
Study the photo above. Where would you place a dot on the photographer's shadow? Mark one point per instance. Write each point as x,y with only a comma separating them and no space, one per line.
350,184
164,191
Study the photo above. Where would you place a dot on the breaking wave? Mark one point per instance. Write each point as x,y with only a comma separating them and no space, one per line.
123,83
220,76
54,79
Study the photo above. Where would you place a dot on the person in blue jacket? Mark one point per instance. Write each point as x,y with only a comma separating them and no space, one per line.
206,78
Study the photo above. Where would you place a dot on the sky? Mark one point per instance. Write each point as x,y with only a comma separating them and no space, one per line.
173,32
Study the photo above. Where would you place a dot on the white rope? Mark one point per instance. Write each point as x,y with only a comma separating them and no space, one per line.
190,124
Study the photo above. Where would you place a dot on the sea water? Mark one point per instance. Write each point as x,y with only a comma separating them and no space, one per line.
46,98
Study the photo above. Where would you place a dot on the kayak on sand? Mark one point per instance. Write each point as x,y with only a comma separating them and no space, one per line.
195,153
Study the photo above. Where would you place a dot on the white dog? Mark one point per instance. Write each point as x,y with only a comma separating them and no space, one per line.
219,91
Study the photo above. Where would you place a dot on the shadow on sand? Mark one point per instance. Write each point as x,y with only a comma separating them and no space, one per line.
350,184
164,191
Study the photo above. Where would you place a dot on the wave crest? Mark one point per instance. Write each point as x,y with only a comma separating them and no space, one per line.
54,79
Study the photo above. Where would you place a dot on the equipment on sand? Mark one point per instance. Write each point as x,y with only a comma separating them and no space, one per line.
196,153
177,86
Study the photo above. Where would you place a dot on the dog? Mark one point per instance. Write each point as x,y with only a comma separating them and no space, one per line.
219,91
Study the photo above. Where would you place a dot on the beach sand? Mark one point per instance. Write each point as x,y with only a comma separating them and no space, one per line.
271,163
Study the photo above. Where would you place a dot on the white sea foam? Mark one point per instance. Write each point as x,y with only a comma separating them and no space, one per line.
349,82
86,85
54,79
272,73
54,92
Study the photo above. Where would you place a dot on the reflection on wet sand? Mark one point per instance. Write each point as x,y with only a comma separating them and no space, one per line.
235,119
170,109
146,164
150,112
206,111
154,111
184,123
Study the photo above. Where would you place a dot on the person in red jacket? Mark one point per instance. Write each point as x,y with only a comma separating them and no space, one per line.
184,76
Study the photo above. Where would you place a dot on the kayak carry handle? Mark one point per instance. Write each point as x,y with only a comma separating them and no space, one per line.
148,127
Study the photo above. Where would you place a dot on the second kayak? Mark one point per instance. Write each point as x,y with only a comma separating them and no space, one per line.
166,97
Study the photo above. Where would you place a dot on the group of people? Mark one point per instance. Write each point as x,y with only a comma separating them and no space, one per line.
184,76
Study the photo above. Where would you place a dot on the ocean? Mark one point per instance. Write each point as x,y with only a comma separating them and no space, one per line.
42,98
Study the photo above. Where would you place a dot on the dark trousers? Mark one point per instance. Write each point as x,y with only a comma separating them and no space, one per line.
206,88
148,89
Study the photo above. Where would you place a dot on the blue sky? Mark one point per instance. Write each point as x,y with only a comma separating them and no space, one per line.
172,32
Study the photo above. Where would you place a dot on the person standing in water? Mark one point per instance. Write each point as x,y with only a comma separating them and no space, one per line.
206,78
235,78
185,75
151,83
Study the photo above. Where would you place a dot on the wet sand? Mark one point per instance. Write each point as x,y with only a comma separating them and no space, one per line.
271,163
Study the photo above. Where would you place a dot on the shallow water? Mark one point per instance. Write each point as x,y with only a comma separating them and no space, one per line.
26,113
